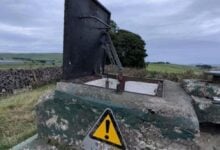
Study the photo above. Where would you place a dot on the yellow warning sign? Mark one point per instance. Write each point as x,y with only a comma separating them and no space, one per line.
106,130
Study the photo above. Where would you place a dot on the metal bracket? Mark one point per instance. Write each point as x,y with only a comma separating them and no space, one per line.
97,19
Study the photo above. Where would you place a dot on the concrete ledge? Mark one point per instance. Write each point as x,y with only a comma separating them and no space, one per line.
22,145
34,143
67,117
201,88
206,110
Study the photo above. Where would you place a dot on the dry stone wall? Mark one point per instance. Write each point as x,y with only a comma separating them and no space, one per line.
13,80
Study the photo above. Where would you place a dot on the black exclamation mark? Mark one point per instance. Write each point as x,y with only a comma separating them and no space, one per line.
107,126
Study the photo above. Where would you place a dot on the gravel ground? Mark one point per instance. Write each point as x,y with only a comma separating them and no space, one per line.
210,137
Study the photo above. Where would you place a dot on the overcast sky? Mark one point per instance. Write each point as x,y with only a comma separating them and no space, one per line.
178,31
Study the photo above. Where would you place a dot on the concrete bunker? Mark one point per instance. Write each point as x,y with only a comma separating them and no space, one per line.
148,111
66,116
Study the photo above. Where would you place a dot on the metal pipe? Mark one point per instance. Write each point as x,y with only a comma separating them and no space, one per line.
97,19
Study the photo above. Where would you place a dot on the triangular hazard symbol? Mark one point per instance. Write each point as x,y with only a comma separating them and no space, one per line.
106,130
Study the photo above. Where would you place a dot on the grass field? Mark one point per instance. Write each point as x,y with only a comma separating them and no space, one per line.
30,61
34,60
171,68
24,66
17,117
33,56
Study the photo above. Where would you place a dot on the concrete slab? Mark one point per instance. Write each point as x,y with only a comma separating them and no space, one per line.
201,88
67,116
34,143
155,144
207,110
130,86
209,140
206,99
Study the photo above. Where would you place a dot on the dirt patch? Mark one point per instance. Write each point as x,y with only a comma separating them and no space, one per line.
210,137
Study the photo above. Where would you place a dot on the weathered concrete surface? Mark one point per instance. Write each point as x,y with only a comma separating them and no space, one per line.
145,121
34,143
201,89
155,144
209,140
203,93
206,110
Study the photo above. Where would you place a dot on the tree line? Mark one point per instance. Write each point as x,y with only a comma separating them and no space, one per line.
129,46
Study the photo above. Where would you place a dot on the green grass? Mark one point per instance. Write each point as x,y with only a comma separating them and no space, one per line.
17,116
31,60
171,68
25,66
33,56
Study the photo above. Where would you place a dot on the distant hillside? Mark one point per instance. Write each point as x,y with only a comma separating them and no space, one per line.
30,60
33,56
171,68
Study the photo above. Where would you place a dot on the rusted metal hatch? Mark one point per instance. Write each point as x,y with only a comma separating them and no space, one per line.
85,23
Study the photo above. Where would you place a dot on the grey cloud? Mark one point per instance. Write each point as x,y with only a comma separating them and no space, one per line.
180,31
30,13
31,26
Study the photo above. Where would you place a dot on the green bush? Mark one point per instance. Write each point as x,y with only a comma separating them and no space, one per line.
129,46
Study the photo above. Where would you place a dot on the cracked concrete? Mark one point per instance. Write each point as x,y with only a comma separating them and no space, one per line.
145,121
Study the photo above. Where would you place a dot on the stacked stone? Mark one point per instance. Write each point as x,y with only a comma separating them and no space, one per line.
13,79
